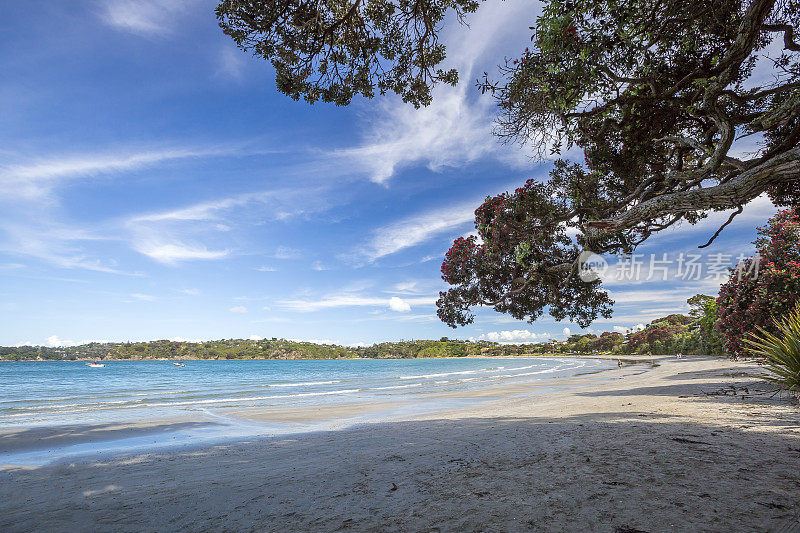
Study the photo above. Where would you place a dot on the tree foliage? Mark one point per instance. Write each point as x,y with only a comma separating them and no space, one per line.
331,50
260,349
763,287
656,94
519,266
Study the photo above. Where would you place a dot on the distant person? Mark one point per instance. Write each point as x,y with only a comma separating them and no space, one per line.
619,363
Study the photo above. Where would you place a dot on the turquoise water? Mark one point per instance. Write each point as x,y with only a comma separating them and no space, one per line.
43,393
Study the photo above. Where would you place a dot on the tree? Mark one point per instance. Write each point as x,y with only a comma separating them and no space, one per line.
654,93
608,340
762,287
704,309
333,50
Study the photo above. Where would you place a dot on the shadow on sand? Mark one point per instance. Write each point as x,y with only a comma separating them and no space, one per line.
595,472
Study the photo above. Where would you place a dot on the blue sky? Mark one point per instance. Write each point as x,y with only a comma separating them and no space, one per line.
153,184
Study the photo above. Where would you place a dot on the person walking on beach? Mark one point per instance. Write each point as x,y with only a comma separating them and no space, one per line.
619,363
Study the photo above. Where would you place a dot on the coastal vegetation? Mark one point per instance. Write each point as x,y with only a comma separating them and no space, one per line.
764,287
259,349
671,334
780,351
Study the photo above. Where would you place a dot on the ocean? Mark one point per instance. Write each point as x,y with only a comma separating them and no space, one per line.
55,410
34,393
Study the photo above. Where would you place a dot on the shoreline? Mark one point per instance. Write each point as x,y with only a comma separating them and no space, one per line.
629,357
38,444
637,452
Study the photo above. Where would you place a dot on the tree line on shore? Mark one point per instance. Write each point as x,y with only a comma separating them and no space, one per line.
665,335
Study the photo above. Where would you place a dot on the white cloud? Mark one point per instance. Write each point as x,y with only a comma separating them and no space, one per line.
188,233
566,332
620,329
448,133
285,252
238,309
399,305
35,180
197,231
53,341
56,243
317,341
358,345
143,297
255,337
191,292
456,128
267,269
665,296
406,286
417,229
354,300
319,266
231,63
517,336
176,252
147,17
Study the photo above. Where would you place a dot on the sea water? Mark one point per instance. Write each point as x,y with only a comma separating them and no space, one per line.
41,392
65,410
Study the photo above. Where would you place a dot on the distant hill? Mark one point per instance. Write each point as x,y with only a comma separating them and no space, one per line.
258,349
668,335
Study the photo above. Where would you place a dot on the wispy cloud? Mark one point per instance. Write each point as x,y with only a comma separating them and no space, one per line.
238,309
35,180
285,252
354,300
417,229
194,232
456,128
147,17
231,63
143,297
172,253
56,243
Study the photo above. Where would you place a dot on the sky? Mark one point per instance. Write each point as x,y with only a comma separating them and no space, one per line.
155,185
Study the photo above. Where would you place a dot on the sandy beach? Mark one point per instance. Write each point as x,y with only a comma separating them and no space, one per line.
670,448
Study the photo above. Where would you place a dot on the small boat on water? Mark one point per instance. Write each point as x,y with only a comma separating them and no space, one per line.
95,364
178,364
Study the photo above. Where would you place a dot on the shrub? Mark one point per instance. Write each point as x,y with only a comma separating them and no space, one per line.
747,303
781,350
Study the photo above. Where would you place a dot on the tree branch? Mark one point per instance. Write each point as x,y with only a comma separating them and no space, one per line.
788,35
733,193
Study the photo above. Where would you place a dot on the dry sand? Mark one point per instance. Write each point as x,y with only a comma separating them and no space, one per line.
647,452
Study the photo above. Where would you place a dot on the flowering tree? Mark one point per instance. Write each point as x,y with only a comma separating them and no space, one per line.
654,93
763,287
608,340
